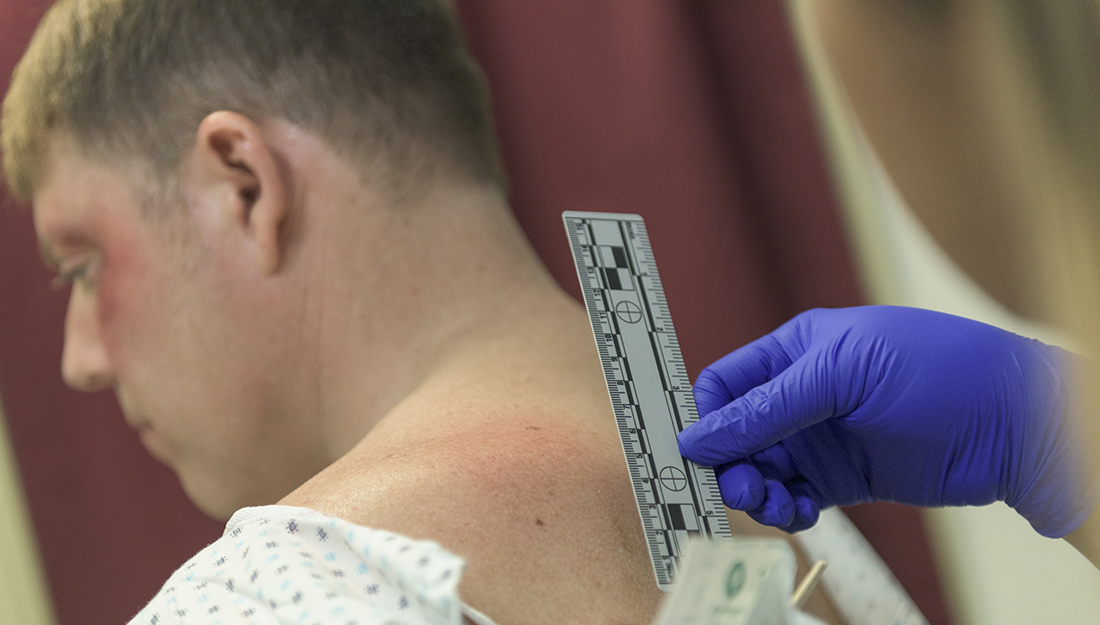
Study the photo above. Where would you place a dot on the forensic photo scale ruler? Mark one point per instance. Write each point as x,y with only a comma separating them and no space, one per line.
648,384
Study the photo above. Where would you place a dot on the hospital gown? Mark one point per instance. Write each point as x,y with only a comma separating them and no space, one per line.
280,564
287,565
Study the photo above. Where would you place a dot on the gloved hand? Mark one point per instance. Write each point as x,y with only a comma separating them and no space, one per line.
844,406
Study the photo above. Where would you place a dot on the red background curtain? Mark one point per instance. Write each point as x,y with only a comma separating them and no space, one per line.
691,113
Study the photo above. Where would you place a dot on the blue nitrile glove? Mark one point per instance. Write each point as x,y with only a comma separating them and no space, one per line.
838,407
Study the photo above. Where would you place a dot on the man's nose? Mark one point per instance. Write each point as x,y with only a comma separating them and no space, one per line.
85,365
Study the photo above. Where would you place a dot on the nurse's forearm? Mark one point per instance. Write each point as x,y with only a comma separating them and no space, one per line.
1087,538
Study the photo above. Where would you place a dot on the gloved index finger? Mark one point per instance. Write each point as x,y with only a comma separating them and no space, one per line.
742,370
797,398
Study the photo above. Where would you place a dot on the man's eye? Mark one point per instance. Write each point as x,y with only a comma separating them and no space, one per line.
79,274
65,277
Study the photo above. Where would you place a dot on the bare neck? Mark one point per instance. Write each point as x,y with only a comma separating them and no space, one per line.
427,293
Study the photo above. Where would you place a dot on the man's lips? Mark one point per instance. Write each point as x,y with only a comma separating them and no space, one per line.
140,424
133,418
153,443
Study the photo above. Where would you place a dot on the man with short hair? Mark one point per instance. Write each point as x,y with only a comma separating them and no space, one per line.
292,258
293,261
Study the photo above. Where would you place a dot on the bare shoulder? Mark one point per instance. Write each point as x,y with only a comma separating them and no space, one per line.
537,503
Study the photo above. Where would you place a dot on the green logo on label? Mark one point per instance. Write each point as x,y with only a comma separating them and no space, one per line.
735,581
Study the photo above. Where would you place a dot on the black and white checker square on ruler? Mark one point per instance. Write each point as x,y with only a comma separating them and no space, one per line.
615,268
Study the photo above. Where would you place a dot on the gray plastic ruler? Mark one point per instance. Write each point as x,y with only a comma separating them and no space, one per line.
647,382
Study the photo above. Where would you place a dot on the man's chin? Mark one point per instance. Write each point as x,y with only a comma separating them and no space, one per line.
212,495
199,488
213,504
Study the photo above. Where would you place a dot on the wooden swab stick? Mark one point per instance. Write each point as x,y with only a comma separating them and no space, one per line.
808,583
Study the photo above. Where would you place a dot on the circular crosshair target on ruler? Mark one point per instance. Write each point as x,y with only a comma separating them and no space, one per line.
673,479
628,311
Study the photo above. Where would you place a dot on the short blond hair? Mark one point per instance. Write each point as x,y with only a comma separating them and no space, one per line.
388,83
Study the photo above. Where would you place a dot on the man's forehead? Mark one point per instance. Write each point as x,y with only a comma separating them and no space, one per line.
63,192
69,176
71,191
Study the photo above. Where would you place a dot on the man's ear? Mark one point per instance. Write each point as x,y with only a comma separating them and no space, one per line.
237,167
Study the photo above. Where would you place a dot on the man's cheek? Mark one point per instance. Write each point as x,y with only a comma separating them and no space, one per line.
126,299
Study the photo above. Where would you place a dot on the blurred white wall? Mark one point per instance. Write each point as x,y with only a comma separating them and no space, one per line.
23,596
996,569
